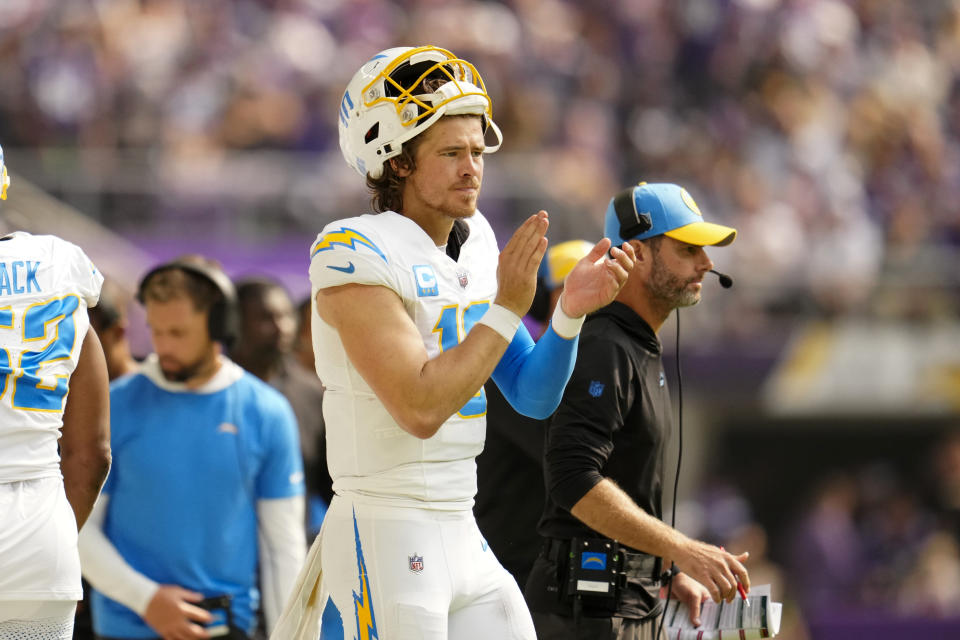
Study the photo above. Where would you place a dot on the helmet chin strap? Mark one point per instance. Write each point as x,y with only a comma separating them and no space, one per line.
496,132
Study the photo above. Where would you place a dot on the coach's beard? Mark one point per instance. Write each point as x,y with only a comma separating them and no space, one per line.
671,289
182,372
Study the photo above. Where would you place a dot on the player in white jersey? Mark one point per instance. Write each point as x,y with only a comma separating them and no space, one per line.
415,308
46,351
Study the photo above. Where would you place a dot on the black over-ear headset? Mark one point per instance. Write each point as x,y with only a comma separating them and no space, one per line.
632,222
223,320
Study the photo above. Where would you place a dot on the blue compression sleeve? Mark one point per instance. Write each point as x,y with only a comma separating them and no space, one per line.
532,375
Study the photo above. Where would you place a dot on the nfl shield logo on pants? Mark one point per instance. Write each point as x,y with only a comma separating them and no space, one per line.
416,563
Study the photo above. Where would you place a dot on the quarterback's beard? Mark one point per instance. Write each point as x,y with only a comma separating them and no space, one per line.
464,210
448,203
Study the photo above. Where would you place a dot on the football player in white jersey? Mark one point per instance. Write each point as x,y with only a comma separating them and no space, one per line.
53,390
414,309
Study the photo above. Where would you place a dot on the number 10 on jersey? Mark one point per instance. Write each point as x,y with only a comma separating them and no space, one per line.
453,323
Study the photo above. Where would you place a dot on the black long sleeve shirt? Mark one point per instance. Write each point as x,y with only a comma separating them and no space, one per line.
614,421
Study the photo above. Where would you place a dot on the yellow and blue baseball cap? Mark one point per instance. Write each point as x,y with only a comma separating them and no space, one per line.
648,210
560,261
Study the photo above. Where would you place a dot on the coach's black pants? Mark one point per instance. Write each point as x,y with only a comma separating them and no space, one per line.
551,626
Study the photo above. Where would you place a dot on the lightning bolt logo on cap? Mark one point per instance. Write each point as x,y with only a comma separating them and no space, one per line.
345,237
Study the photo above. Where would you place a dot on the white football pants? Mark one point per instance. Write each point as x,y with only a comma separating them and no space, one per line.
411,574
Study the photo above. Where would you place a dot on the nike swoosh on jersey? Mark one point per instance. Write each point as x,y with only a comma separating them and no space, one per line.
347,269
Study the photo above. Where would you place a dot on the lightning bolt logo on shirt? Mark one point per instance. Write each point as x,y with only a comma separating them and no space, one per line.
366,620
345,237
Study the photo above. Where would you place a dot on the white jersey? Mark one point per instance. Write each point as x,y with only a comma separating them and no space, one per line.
46,285
369,454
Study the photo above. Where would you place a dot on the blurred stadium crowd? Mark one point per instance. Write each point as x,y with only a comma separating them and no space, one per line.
870,550
826,131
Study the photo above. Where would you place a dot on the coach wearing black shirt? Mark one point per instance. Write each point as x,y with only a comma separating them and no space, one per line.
604,452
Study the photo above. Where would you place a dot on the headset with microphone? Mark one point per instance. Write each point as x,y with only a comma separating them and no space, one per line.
223,320
725,281
634,223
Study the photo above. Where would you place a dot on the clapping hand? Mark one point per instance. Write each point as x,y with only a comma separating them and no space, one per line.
597,279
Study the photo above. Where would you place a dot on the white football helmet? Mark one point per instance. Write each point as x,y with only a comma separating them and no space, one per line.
379,110
4,177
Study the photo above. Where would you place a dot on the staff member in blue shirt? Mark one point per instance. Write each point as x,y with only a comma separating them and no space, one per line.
205,500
